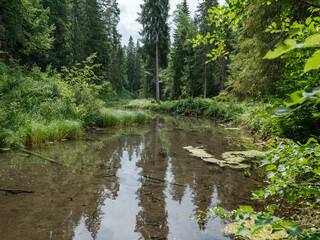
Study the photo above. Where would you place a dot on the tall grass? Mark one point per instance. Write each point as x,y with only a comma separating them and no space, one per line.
37,133
111,117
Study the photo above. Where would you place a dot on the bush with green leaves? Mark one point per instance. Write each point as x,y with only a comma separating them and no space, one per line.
292,183
39,106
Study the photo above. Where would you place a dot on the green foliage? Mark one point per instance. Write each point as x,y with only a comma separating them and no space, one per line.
133,67
24,28
292,182
299,124
109,117
37,107
154,20
292,173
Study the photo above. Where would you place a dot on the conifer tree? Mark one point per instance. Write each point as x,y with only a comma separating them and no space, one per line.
179,51
131,64
112,14
202,23
59,53
138,68
24,29
155,33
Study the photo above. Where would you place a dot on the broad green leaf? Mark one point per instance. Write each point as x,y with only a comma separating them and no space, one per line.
308,20
313,62
256,229
270,167
282,48
316,171
243,231
308,89
312,41
293,231
281,110
261,221
246,209
311,93
286,224
270,174
293,31
295,98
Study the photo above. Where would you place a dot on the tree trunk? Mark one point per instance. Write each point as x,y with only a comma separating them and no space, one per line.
223,72
157,70
205,77
205,81
111,91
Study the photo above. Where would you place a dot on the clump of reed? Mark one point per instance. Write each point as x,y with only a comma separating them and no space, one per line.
109,117
37,133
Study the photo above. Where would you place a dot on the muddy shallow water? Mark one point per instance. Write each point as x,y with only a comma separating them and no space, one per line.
132,183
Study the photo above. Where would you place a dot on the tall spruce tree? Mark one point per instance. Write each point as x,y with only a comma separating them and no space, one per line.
138,68
131,64
24,30
180,48
202,23
59,53
155,33
117,53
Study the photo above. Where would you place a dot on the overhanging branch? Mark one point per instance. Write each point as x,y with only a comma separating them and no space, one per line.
308,3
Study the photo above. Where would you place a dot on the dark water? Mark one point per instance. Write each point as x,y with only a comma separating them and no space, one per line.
133,183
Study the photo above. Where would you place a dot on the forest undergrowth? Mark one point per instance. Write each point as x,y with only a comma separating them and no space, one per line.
37,107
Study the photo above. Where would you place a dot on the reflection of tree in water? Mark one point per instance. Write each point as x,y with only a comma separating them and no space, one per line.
62,195
205,181
151,221
111,153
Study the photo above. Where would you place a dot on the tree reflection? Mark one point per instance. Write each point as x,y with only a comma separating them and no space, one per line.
66,198
151,220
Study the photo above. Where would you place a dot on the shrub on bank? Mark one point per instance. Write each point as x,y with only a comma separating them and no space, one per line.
37,106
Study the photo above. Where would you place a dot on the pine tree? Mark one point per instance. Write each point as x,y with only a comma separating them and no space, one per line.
155,33
131,64
180,48
59,53
24,29
138,68
202,23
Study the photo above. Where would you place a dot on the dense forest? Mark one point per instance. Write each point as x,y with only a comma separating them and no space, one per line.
253,62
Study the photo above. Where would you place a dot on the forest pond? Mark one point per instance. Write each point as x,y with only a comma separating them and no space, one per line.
124,183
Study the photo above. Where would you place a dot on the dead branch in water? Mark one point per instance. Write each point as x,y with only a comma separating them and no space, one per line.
15,191
41,156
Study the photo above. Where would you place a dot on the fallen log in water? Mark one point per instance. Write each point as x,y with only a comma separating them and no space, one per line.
15,191
63,164
41,156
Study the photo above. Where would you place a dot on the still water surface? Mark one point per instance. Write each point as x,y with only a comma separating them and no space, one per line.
132,183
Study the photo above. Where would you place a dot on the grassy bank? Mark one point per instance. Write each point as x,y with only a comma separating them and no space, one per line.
298,125
36,132
37,107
